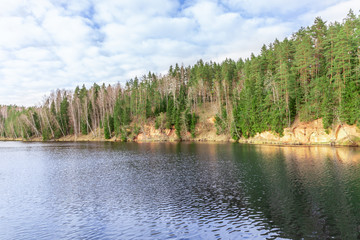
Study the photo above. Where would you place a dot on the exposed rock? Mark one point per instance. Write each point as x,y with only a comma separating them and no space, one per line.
211,120
150,133
310,133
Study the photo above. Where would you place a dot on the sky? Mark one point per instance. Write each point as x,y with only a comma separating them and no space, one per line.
60,44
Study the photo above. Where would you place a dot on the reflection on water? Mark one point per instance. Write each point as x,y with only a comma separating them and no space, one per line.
170,190
308,191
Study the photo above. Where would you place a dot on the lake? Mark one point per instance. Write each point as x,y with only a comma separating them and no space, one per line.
178,191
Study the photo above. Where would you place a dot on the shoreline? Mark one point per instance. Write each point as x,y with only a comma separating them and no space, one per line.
298,134
249,142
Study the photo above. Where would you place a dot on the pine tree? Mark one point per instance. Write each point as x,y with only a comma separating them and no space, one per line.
118,116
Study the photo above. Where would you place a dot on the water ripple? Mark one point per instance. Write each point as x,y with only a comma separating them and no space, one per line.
177,191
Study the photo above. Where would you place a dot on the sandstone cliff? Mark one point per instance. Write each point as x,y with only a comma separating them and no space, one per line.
311,133
300,133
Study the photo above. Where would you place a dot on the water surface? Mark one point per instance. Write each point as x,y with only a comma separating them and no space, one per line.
177,191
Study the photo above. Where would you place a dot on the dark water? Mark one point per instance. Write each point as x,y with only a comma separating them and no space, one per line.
177,191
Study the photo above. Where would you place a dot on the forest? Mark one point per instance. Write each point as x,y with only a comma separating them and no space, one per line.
313,74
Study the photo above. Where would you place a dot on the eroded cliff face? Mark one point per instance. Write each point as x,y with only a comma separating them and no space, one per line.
300,133
149,133
205,131
310,133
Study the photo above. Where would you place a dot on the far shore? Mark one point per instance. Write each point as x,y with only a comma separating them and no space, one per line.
242,141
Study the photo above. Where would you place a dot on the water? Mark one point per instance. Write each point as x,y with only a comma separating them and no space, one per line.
178,191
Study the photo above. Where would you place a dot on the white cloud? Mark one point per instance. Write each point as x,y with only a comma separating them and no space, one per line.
278,7
332,13
10,7
17,32
48,44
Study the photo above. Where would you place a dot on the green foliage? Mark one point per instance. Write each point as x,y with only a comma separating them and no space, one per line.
52,108
194,120
121,116
177,118
221,122
111,123
160,121
136,130
36,121
46,134
108,126
188,118
118,116
107,133
157,124
64,116
57,134
83,126
190,122
123,135
170,113
148,109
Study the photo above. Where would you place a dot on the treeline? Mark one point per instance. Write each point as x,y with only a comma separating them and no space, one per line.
314,74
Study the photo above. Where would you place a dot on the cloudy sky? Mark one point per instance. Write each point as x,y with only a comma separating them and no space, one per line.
51,44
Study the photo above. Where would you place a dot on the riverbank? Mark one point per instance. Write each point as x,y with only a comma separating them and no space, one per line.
300,133
311,133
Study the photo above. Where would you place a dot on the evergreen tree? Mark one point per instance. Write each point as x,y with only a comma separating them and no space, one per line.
64,116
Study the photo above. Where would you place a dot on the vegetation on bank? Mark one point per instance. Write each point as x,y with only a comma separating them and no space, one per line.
314,74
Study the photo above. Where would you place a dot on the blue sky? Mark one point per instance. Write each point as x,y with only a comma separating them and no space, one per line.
47,45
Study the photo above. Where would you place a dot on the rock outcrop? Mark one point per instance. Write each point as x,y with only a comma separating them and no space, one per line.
311,133
300,133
